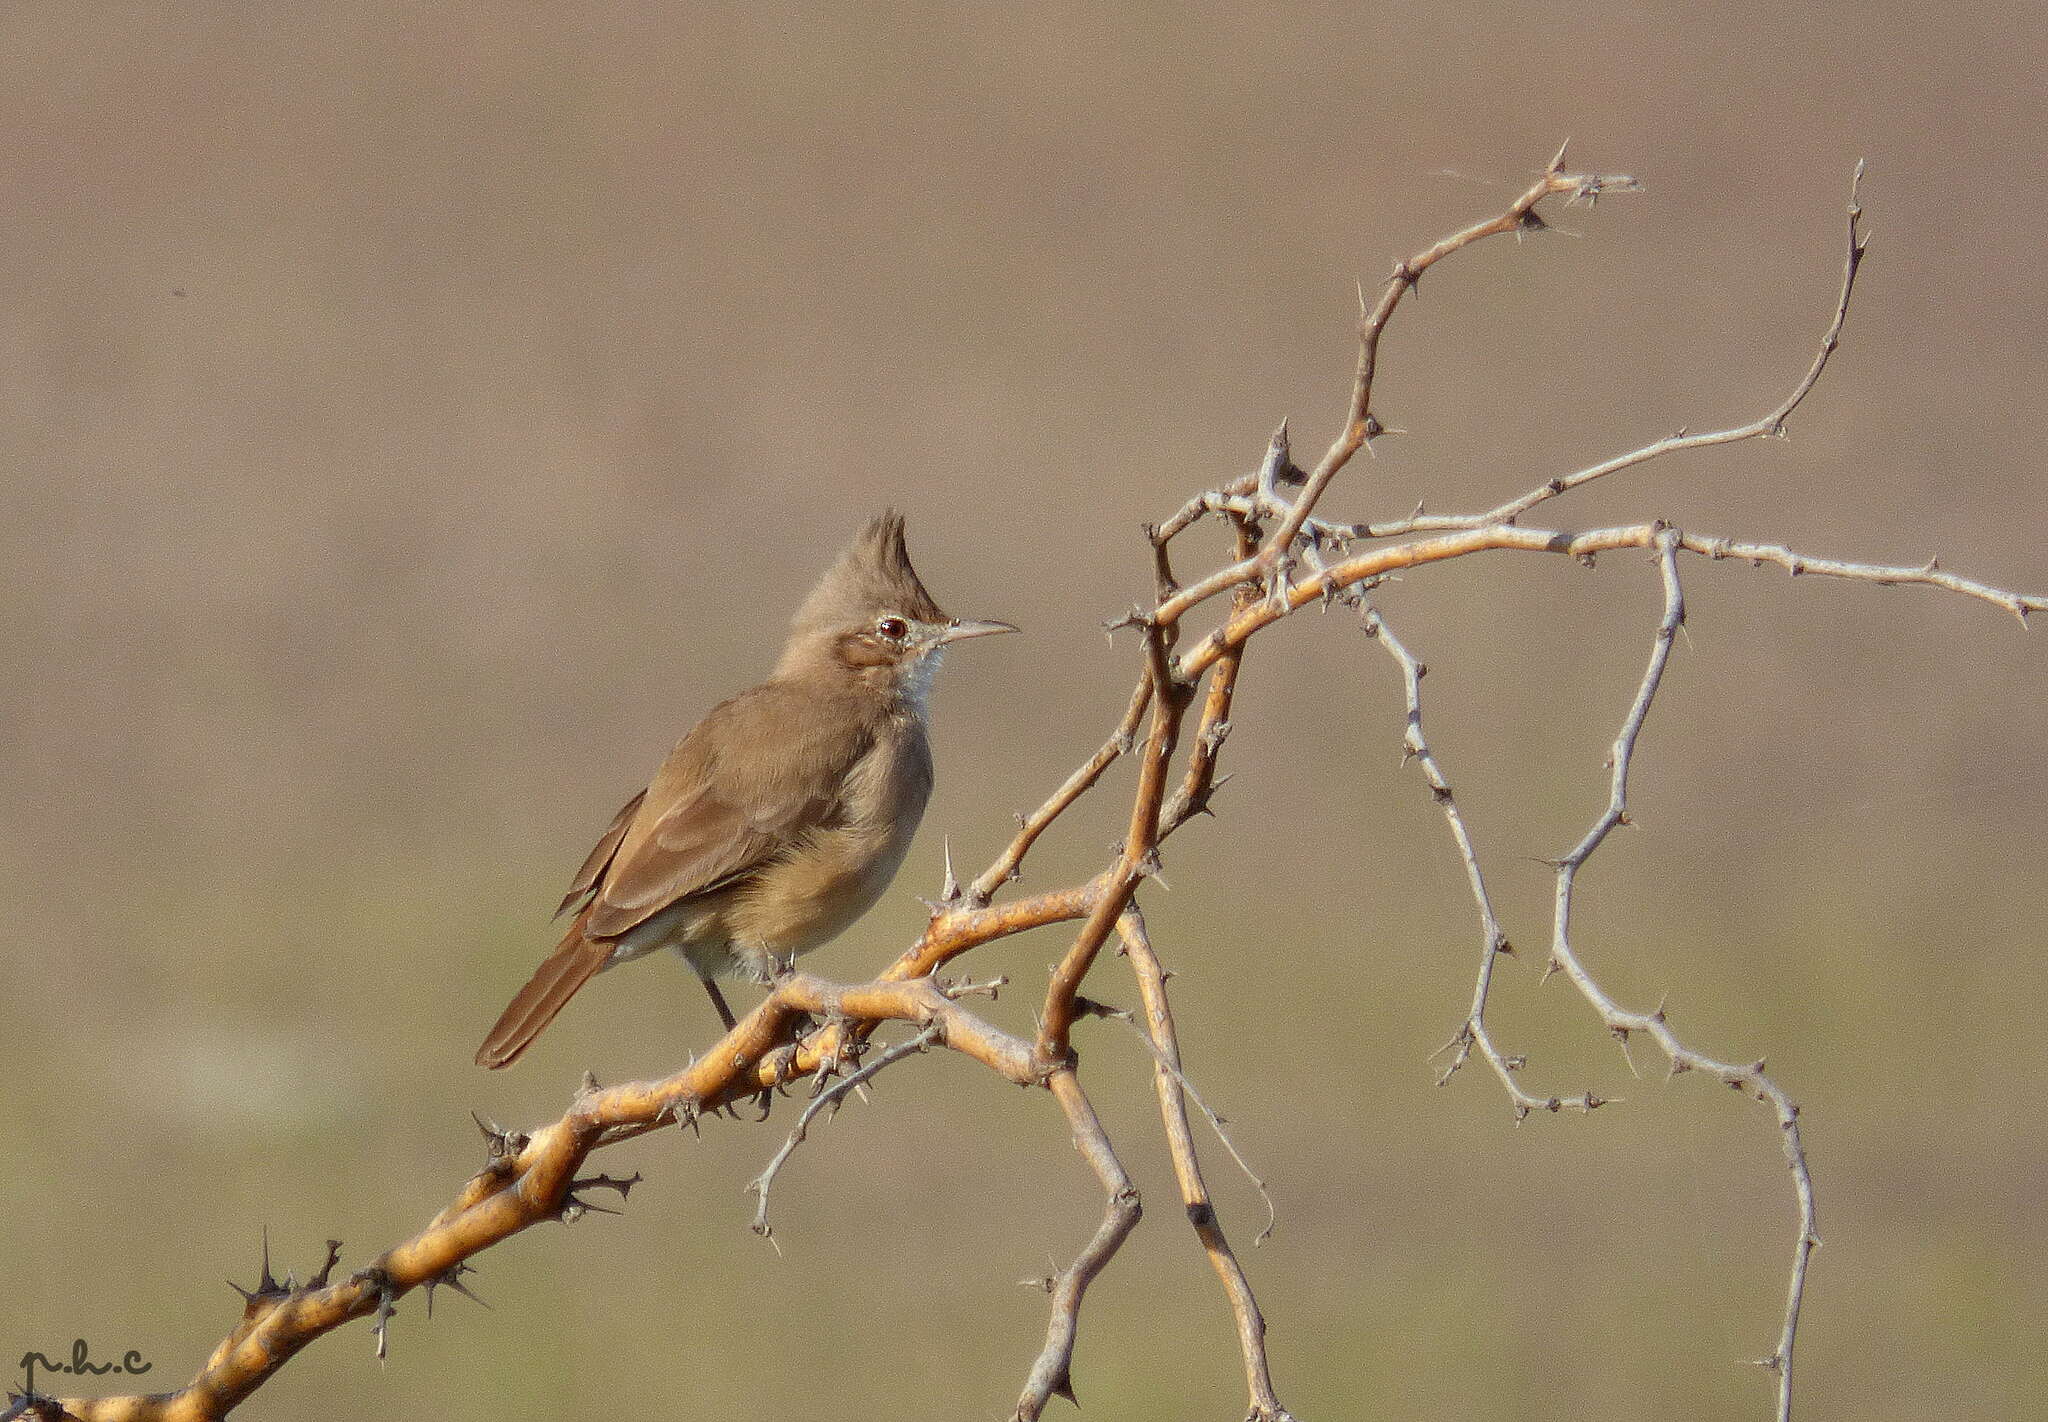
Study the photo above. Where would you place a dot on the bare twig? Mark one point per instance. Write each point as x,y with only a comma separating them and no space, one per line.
1052,1374
1472,1032
1771,423
828,1099
1079,783
1138,857
1169,1082
1277,553
1750,1078
1199,781
1360,424
1379,562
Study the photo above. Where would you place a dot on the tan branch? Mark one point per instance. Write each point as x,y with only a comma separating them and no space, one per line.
1076,785
1138,857
532,1179
1167,1081
1379,562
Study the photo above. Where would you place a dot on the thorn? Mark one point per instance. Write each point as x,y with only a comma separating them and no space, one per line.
623,1186
1149,866
1459,1039
1557,163
319,1280
574,1207
387,1309
1136,617
499,1143
267,1288
452,1278
387,1304
949,888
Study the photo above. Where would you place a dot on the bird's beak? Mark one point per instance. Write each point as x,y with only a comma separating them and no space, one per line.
961,631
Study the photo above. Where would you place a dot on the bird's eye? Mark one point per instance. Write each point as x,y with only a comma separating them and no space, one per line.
893,628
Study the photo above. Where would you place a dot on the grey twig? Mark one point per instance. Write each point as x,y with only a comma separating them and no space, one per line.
1052,1374
1769,424
1747,1078
1493,941
829,1099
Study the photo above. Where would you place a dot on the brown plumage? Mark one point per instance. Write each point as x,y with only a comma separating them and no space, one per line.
782,817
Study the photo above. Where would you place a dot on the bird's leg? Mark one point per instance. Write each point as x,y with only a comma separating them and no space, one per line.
718,1001
766,1100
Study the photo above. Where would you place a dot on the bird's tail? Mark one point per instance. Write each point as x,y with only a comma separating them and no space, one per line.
546,993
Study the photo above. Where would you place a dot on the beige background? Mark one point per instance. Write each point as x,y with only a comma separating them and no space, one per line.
417,416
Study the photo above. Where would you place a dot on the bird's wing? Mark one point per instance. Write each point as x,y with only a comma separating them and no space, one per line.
755,774
600,859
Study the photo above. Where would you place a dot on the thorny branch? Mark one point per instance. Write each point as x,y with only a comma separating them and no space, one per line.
1284,558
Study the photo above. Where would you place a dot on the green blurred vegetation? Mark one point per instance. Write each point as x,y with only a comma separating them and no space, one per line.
419,418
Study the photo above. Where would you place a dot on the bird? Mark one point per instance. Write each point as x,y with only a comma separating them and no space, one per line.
783,815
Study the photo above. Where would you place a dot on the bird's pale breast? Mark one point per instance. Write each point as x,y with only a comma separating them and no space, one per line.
813,891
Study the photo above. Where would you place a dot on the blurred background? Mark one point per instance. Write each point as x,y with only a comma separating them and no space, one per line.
418,416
